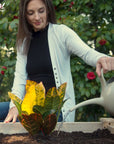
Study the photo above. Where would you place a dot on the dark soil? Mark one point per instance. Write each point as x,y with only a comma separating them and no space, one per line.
97,137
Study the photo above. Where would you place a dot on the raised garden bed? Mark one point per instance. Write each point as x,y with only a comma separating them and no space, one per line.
71,133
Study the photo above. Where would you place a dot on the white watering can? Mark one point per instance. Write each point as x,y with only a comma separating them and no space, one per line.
106,98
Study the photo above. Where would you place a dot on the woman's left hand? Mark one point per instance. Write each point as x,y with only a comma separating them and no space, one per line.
107,63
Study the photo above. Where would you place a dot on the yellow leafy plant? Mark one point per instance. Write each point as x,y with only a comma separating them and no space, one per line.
39,111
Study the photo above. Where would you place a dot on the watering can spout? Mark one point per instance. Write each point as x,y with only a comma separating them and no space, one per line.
98,101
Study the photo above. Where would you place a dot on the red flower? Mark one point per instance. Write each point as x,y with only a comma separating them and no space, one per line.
90,5
72,3
102,42
91,75
60,19
64,0
2,72
15,17
70,6
4,67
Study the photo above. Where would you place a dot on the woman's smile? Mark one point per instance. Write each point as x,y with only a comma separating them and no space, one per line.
37,23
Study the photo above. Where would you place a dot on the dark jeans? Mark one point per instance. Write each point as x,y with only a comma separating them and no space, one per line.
4,108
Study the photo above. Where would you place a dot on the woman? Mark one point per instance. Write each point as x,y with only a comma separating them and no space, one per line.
43,53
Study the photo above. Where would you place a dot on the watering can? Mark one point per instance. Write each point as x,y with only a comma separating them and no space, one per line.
106,98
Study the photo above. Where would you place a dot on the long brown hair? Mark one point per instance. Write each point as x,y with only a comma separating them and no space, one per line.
25,29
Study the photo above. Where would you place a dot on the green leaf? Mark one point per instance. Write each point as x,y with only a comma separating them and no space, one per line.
61,91
3,20
5,25
59,110
52,99
1,39
87,93
93,91
17,101
14,23
39,109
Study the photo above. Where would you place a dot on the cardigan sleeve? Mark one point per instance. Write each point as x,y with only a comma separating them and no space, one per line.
78,47
20,77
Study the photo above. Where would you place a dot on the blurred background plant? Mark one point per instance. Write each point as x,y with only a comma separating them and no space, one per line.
8,30
92,20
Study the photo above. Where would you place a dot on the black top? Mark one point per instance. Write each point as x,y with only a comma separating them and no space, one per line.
39,66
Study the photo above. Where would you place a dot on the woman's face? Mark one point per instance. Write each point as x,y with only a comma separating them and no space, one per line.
37,14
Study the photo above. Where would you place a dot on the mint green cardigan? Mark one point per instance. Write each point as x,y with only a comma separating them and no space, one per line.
62,43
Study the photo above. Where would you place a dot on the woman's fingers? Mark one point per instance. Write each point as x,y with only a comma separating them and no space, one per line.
12,115
107,63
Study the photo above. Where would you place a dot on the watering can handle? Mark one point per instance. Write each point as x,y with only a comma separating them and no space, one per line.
102,79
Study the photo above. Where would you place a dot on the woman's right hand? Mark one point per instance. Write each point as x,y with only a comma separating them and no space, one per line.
12,115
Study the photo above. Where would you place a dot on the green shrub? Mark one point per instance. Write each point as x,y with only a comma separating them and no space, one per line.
92,20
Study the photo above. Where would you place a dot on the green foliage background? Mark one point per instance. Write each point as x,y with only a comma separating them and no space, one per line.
92,20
